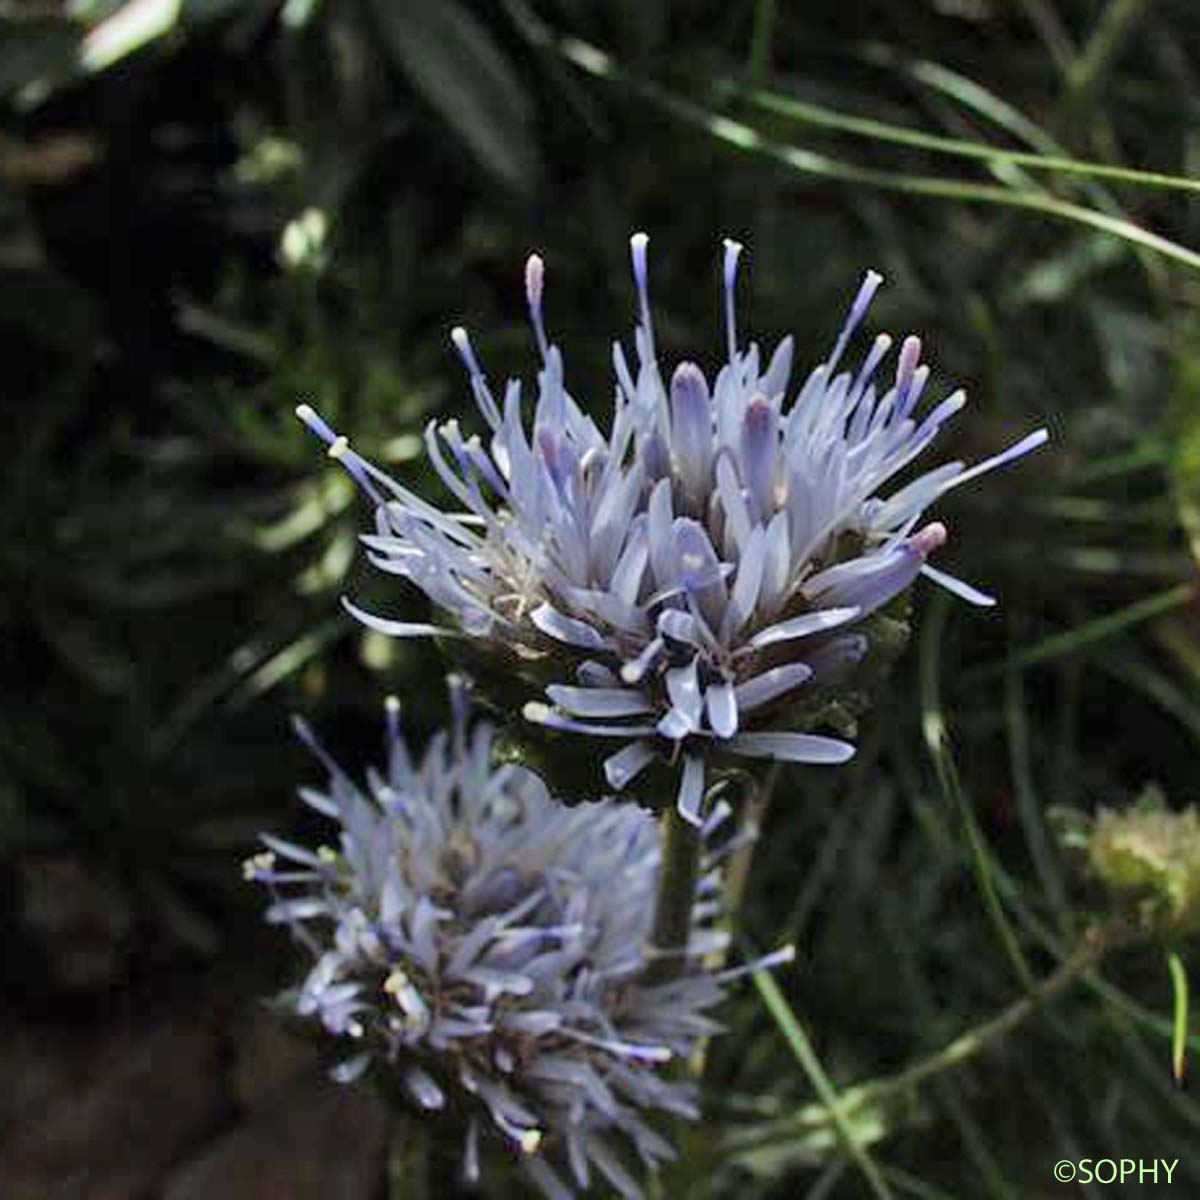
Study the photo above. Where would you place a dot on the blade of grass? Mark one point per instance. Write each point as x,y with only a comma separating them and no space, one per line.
990,1174
1087,73
1151,452
802,1048
821,117
760,38
806,162
739,135
1179,988
286,661
1156,686
933,727
1072,641
1097,943
1029,808
910,1185
1124,1009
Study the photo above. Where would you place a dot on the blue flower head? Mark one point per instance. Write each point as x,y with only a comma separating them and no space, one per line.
482,949
677,580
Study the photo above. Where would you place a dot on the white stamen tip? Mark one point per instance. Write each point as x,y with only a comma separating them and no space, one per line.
530,1140
733,252
535,279
305,412
536,711
392,706
338,447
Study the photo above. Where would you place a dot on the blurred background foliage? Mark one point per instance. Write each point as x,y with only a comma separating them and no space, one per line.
211,210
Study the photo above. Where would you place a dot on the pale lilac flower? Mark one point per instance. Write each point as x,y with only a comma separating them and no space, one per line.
682,577
486,946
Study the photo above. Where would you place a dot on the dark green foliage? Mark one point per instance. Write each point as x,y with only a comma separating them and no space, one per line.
265,204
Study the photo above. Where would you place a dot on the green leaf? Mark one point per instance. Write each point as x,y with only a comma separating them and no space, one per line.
130,28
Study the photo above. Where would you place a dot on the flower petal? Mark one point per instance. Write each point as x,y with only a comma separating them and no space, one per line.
691,789
628,763
803,626
566,629
770,685
721,702
599,701
792,747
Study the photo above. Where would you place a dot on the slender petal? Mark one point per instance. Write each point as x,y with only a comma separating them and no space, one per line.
793,747
691,789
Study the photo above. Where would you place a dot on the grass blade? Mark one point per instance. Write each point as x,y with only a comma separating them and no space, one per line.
933,726
802,1048
1179,986
1072,641
901,135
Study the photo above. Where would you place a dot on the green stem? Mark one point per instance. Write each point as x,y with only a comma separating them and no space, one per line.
760,39
1097,943
1095,946
833,1104
676,895
755,803
1087,73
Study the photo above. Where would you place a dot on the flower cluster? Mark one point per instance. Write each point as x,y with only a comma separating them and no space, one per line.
680,577
1146,857
488,946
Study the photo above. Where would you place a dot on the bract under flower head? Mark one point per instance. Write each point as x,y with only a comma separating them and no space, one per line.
682,576
483,948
